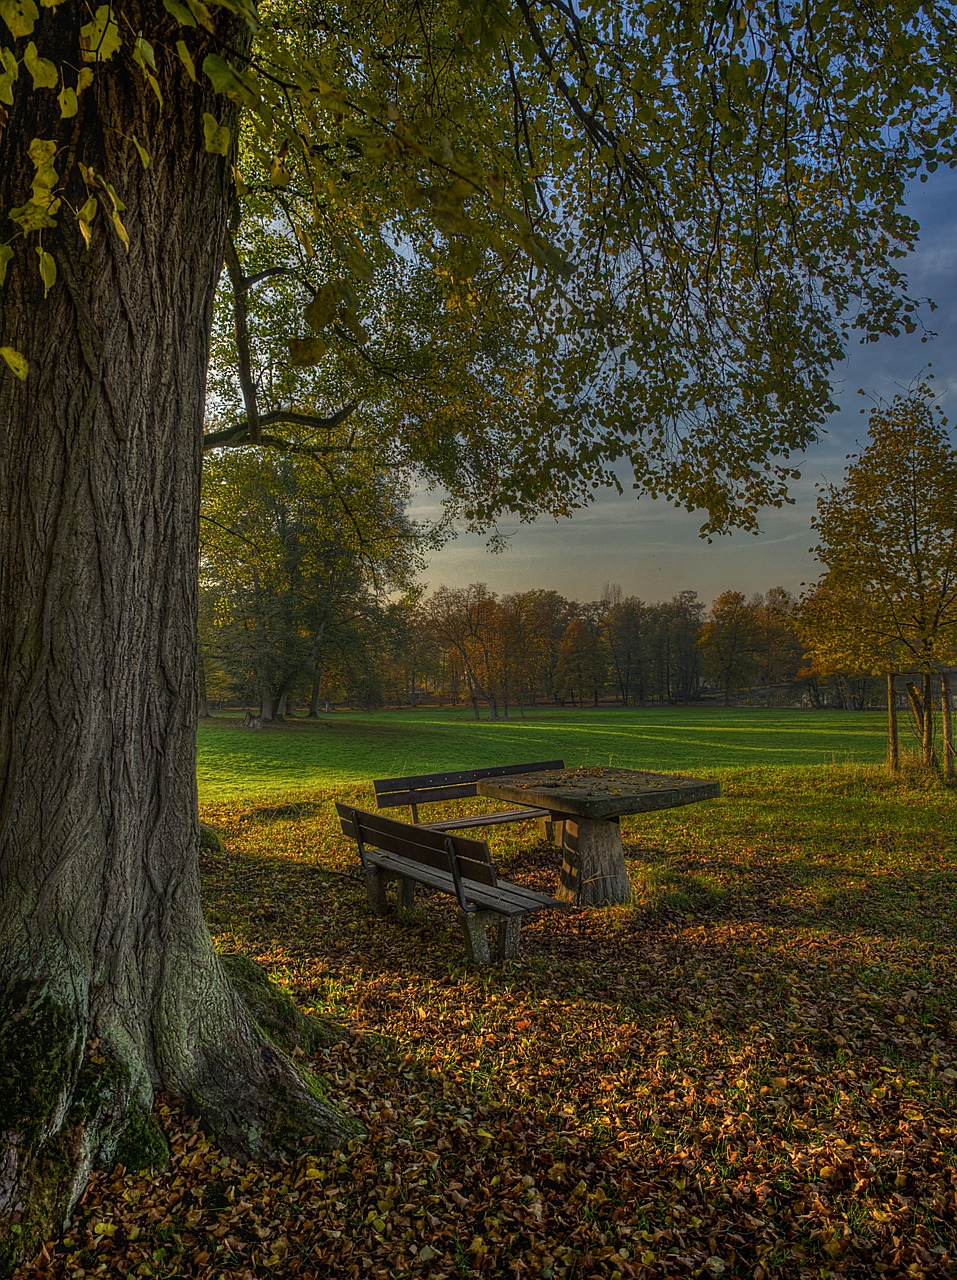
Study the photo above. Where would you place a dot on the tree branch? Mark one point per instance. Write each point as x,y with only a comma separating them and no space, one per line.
241,434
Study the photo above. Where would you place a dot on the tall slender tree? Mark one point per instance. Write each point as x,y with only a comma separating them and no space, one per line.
887,599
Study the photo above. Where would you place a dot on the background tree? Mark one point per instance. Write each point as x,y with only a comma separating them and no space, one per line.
298,552
888,547
682,208
730,644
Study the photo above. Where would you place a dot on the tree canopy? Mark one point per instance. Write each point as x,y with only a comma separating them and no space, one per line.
637,236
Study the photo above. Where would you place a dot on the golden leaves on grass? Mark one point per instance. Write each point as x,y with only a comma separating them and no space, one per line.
742,1089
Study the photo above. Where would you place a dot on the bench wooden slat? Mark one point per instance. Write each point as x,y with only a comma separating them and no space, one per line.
427,780
424,795
487,819
456,865
422,844
429,788
505,898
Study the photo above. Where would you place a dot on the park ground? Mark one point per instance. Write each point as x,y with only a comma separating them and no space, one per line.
749,1071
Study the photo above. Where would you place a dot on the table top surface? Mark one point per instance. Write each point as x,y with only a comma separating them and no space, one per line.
591,791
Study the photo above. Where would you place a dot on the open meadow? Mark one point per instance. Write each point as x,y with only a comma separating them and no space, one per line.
748,1071
354,746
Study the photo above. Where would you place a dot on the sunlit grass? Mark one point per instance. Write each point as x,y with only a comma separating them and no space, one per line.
359,746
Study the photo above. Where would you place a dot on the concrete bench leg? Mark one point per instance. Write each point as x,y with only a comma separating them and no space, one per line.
473,924
509,930
375,887
406,894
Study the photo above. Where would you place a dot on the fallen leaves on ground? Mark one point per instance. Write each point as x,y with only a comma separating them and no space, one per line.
749,1072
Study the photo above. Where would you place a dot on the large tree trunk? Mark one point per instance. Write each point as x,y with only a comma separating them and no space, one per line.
109,983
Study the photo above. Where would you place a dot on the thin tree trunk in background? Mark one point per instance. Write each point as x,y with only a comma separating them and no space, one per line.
893,742
202,700
948,726
930,761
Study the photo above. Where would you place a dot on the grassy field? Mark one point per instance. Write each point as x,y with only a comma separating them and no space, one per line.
358,746
749,1071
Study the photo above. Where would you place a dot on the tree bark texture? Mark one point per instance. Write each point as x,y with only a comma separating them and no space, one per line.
109,983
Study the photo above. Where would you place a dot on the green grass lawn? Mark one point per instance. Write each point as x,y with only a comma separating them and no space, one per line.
359,746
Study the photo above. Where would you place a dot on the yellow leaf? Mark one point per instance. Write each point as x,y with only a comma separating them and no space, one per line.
45,75
16,361
154,85
11,69
100,39
6,253
84,78
201,13
69,105
215,135
121,231
47,270
144,155
278,176
186,58
41,151
20,16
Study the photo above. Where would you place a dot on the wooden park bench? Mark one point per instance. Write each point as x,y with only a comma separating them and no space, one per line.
456,865
426,788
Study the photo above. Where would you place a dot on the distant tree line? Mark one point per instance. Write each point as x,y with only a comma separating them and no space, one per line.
309,600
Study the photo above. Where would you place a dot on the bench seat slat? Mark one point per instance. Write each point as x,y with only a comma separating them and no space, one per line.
487,819
506,898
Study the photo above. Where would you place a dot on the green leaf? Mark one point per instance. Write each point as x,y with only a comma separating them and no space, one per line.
143,154
215,135
44,72
99,39
322,310
180,12
20,16
306,351
16,361
226,80
47,269
6,254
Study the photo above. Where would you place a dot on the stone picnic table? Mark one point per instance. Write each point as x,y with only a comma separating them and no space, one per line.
589,802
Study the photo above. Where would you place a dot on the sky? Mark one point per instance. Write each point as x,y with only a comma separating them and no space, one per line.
653,551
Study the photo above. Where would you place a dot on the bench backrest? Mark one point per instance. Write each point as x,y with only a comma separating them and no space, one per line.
461,856
427,787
